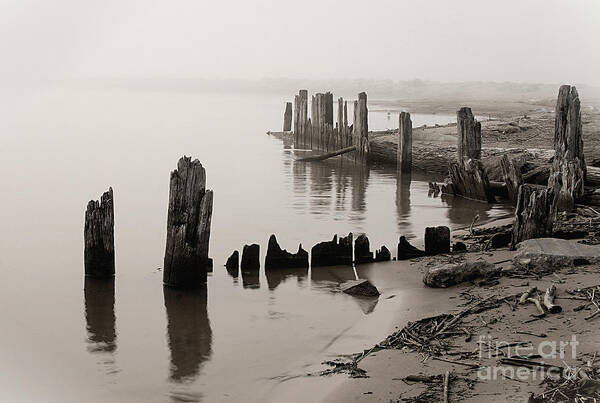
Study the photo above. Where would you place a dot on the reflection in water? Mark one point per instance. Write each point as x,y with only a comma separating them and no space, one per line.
462,211
251,279
277,276
100,319
403,181
330,277
188,331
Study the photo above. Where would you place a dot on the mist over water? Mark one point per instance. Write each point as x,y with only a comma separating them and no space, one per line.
68,339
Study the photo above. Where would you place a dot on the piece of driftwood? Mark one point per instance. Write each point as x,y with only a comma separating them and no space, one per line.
287,117
278,258
568,167
525,296
407,251
405,143
362,250
549,300
250,258
188,226
437,240
533,214
327,155
446,386
511,171
469,135
99,238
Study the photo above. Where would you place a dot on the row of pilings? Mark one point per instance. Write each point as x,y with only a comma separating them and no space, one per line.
319,133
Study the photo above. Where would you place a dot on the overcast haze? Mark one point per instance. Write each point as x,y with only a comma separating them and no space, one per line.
534,41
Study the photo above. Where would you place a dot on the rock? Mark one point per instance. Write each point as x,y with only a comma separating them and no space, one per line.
250,258
407,251
99,238
533,215
362,250
544,255
233,262
451,274
360,288
568,167
188,226
383,255
278,258
501,239
459,247
332,253
437,240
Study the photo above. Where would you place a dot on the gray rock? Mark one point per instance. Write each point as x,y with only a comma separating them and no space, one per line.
451,274
361,288
548,254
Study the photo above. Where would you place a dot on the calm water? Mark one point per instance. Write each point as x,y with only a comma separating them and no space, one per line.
64,339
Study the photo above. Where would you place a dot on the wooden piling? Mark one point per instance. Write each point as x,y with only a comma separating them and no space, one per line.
404,153
511,171
360,132
533,213
188,226
287,117
301,119
99,239
469,134
568,167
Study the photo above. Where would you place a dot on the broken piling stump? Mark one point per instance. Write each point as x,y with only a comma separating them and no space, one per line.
99,239
188,226
383,254
278,258
362,250
511,171
360,130
407,251
534,216
568,167
233,261
332,253
301,124
287,117
437,240
404,153
469,135
250,258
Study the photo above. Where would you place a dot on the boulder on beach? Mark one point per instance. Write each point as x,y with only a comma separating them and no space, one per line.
360,288
547,254
452,274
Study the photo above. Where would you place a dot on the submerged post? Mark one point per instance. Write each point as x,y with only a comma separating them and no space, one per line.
188,226
287,117
99,238
404,154
568,168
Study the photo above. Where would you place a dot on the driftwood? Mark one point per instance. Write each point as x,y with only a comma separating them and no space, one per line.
568,166
405,143
188,226
549,300
99,239
328,155
446,386
533,214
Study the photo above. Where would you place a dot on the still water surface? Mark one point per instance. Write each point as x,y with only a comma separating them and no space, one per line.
66,339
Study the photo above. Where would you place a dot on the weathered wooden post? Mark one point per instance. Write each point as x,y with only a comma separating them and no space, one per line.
533,214
469,134
300,119
404,154
188,226
568,168
99,238
360,133
287,117
511,171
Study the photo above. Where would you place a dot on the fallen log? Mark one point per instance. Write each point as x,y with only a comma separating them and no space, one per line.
328,155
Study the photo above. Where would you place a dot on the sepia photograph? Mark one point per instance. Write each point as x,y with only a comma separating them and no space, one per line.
300,201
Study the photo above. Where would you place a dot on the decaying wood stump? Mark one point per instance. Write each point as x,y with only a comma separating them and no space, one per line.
287,117
99,238
533,215
437,240
332,253
568,168
469,134
250,258
407,251
233,262
362,250
469,179
360,130
301,124
405,143
511,171
278,258
383,254
188,226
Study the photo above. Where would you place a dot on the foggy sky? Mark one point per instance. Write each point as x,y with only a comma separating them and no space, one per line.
535,41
